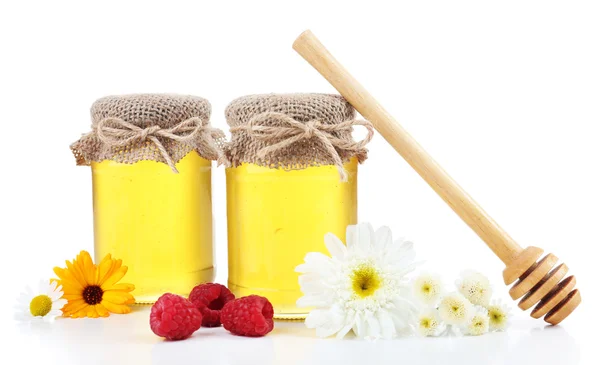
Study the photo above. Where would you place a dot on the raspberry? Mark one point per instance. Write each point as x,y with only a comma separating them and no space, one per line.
174,317
209,299
248,316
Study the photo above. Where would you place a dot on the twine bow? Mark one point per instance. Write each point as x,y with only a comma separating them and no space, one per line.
288,130
115,132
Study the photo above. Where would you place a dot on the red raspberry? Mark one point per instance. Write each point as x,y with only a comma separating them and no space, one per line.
248,316
174,317
210,298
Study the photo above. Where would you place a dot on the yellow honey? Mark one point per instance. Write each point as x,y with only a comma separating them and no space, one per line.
275,216
158,222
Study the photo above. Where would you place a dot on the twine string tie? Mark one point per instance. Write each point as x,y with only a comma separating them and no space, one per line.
280,131
115,132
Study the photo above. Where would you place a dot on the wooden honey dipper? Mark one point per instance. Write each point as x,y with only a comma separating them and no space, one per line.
538,281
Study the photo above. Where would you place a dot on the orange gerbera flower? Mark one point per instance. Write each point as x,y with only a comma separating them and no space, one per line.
92,290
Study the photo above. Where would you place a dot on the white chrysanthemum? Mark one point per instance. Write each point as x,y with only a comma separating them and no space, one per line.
475,287
428,288
499,314
455,309
479,323
44,303
429,323
362,287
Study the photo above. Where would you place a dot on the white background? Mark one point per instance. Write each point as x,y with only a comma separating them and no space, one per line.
505,95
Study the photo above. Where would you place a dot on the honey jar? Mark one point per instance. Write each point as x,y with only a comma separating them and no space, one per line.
292,179
150,156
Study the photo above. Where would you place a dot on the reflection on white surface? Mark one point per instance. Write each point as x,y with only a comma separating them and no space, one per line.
514,347
128,338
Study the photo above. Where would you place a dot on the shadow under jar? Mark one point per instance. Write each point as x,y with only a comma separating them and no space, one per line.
292,179
151,174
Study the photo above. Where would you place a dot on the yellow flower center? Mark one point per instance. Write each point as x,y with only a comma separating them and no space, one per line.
426,288
496,316
425,323
365,280
92,294
40,305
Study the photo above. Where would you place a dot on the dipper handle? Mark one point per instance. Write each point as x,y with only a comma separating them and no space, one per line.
311,49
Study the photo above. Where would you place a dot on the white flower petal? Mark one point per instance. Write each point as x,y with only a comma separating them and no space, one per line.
366,236
315,300
373,328
351,237
51,288
404,244
383,238
312,283
59,304
303,268
317,262
56,295
400,250
315,318
360,326
327,322
317,258
401,320
408,269
388,331
335,246
405,307
344,331
55,313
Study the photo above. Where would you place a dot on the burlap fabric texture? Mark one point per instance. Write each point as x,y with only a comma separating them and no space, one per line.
156,127
294,131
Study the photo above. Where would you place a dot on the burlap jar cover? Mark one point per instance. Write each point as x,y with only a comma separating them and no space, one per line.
156,127
294,131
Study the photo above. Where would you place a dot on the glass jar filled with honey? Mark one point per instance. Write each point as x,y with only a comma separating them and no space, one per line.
150,156
292,179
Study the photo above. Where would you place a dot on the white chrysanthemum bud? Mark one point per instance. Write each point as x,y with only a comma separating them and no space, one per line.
475,287
455,309
428,288
479,322
499,314
430,323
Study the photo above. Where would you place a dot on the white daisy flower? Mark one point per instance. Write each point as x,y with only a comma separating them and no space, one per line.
428,288
362,287
479,323
475,287
455,309
499,314
44,303
429,323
